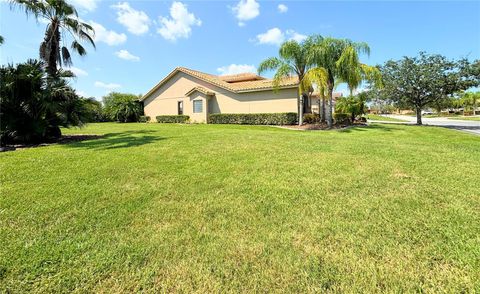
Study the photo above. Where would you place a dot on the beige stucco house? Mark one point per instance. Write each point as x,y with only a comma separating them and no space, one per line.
198,94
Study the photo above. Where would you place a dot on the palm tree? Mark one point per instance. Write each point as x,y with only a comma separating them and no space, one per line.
1,40
339,59
317,76
292,60
62,19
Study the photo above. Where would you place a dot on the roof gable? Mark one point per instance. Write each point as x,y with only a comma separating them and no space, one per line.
201,90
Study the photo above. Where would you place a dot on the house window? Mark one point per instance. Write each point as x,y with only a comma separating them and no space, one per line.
180,107
197,106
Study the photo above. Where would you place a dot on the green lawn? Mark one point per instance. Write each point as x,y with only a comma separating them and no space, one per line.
382,118
476,118
212,208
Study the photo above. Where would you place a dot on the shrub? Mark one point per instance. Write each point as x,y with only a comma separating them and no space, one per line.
34,106
172,118
341,118
353,105
144,119
311,118
122,107
286,118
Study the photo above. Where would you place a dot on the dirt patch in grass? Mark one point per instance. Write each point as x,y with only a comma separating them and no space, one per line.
62,140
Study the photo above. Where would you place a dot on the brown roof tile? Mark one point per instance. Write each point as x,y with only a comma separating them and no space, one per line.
237,83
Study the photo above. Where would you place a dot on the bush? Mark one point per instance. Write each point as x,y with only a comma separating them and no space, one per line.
311,118
286,118
33,106
122,107
172,118
144,119
341,118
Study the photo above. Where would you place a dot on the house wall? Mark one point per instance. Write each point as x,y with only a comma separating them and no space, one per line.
165,99
197,117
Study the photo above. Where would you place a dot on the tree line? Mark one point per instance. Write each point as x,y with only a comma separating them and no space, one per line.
321,64
36,99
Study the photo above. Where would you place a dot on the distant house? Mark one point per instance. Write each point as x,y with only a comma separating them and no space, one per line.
198,94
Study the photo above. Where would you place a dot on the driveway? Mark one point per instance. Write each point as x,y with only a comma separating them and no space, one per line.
469,126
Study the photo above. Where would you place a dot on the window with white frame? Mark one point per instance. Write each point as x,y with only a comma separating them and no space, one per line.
197,106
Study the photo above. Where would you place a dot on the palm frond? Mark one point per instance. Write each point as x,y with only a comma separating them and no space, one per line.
66,58
271,63
283,71
372,74
35,8
79,48
317,76
362,47
290,50
86,36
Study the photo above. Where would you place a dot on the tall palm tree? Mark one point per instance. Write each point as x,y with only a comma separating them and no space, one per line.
1,40
292,60
340,60
62,20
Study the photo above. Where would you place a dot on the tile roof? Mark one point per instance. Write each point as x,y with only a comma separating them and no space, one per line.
199,89
238,83
241,77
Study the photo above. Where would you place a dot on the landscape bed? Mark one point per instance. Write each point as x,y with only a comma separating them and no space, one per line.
224,208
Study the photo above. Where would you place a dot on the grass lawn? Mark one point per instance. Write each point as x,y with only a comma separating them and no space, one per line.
212,208
382,118
475,118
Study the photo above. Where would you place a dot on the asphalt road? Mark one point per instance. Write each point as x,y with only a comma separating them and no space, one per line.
469,126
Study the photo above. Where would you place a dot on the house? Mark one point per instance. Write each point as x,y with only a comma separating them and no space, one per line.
197,94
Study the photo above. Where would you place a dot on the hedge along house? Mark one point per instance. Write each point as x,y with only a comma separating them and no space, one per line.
197,94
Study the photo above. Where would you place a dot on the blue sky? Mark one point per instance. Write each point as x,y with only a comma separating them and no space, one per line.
139,42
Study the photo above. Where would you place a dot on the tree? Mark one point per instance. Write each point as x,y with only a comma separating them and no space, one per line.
339,58
292,60
94,110
122,107
468,101
426,79
62,20
33,106
353,105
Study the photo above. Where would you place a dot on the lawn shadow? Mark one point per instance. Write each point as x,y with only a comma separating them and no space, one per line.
117,140
362,128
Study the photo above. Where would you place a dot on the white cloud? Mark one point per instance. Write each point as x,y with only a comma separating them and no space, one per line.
276,36
89,5
246,10
236,69
107,86
180,23
137,22
124,54
273,36
282,8
78,71
110,37
292,35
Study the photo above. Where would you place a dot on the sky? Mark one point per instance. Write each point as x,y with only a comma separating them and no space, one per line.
139,42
